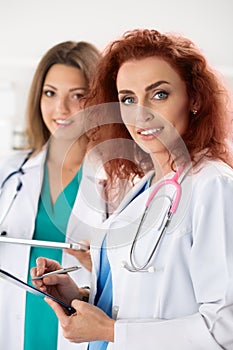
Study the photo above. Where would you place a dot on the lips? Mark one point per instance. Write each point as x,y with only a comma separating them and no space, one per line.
63,122
149,132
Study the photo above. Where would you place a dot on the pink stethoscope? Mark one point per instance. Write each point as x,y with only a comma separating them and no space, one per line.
133,267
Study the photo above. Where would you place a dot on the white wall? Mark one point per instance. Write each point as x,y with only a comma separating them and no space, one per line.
28,28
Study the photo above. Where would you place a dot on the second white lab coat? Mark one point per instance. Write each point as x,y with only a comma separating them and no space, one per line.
88,212
187,303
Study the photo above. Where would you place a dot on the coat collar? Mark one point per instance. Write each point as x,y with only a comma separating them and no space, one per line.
36,160
127,199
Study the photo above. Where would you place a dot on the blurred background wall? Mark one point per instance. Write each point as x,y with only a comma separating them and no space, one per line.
28,28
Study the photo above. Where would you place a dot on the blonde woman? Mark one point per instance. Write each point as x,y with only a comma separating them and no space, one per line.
48,205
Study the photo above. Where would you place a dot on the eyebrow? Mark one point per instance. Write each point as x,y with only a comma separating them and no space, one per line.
73,89
148,88
155,85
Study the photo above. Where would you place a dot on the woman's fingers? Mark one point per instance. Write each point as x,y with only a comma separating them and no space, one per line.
46,265
59,311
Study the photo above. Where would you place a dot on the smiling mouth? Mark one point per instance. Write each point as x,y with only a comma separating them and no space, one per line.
151,131
63,121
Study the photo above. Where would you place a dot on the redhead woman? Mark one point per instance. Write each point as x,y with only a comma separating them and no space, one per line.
162,274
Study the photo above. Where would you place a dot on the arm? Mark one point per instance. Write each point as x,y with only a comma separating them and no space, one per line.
89,323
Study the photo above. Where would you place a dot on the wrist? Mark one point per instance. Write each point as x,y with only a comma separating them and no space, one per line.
84,293
110,330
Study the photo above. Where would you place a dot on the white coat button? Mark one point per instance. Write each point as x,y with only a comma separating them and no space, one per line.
115,310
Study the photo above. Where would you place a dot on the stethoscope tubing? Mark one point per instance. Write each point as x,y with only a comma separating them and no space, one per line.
176,200
19,186
172,209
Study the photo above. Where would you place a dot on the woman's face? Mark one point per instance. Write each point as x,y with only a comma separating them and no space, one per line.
63,88
154,103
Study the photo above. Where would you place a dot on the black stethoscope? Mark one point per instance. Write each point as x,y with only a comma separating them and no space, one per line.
19,186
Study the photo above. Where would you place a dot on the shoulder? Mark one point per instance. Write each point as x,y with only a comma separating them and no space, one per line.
210,170
17,159
12,160
212,178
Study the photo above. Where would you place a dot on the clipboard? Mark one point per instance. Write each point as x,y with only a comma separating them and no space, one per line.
16,281
45,244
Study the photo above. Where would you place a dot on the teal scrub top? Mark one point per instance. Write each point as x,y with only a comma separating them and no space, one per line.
41,324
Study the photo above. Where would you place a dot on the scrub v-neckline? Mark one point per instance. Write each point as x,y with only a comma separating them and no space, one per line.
63,195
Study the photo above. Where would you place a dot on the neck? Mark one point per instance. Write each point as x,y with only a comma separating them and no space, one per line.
67,154
162,166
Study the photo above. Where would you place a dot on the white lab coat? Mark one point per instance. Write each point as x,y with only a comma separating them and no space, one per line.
88,212
187,303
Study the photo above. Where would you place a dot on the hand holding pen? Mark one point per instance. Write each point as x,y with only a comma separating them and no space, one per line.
49,276
60,271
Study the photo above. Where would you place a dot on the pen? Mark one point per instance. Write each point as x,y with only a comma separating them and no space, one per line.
61,271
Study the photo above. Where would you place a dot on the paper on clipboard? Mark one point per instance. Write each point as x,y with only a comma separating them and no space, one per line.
16,281
45,244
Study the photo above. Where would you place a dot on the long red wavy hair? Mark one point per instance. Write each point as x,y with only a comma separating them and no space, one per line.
208,129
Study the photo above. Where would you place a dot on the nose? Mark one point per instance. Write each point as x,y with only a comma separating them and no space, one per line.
144,114
62,105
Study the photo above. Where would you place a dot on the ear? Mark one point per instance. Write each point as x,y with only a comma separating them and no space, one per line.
194,105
